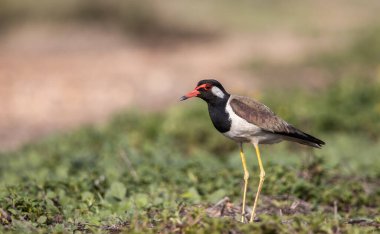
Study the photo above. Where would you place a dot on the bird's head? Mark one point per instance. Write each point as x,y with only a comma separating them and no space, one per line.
208,90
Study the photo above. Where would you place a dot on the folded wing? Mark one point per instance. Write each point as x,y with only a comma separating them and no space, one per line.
261,116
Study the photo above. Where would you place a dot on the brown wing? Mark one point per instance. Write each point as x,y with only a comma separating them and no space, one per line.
259,115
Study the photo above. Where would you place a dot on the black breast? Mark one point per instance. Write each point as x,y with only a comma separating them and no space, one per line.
219,117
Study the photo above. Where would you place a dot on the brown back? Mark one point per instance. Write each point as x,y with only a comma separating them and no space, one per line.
259,115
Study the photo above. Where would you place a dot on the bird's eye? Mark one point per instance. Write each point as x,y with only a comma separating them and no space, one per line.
208,87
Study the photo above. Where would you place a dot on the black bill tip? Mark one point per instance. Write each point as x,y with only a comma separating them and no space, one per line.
183,98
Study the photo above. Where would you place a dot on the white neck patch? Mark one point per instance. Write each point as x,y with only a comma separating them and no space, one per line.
217,92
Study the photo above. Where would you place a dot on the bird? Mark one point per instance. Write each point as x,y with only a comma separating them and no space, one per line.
245,120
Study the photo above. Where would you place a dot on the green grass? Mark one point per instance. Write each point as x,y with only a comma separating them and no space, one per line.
159,172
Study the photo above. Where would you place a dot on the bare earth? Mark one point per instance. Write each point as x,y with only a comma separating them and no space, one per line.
53,79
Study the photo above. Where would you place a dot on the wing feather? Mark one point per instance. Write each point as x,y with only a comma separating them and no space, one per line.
258,114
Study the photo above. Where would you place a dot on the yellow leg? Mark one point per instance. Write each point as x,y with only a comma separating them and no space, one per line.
246,176
262,177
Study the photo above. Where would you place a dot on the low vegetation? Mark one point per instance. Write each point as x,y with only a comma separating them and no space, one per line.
165,172
171,172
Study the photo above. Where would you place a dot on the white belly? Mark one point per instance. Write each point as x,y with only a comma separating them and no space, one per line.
243,131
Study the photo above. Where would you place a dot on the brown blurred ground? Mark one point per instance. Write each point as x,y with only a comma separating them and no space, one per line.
52,79
56,77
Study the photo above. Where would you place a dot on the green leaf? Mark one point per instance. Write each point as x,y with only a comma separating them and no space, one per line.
192,194
42,219
117,190
142,200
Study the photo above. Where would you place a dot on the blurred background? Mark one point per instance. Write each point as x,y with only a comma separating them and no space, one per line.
93,135
68,63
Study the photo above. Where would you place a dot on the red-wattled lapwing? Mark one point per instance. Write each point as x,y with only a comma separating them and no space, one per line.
245,120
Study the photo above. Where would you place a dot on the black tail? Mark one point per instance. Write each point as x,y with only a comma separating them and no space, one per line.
302,138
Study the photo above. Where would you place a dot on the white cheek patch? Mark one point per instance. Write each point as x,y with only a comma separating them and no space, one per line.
217,92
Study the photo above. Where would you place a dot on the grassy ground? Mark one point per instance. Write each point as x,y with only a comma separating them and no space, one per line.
153,173
172,172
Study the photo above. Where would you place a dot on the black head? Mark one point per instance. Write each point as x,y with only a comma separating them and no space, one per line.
209,90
